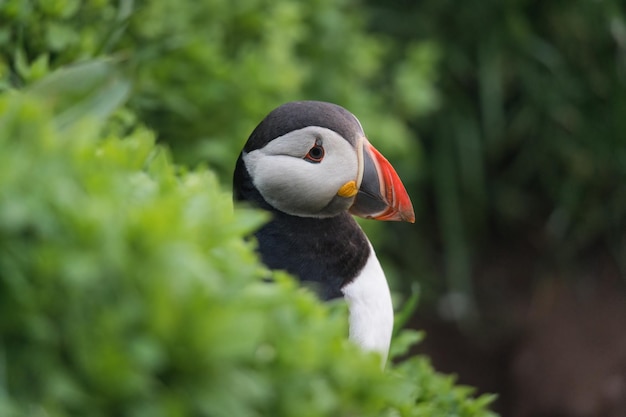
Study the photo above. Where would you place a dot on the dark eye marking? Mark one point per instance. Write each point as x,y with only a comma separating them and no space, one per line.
316,153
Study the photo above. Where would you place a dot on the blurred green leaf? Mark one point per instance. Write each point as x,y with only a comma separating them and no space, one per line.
128,285
93,89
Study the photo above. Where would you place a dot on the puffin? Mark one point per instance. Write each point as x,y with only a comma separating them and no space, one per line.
310,165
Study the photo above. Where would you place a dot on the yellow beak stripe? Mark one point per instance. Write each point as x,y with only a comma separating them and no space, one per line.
348,190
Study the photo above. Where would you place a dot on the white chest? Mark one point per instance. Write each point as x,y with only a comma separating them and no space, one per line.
371,311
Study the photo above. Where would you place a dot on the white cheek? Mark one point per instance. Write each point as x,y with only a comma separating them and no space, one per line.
290,184
298,187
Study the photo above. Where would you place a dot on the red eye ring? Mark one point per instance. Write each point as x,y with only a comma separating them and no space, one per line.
315,154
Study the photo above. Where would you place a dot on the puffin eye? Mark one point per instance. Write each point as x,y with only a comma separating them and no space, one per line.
316,154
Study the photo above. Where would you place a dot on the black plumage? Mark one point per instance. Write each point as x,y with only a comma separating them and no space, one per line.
299,114
327,252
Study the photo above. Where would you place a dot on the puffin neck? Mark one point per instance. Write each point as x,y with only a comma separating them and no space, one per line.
326,252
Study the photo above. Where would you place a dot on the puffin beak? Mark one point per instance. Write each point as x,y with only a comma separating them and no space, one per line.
382,195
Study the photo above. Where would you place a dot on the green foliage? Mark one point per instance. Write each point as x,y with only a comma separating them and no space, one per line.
206,72
528,142
127,287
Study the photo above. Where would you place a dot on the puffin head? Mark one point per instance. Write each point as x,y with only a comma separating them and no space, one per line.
312,159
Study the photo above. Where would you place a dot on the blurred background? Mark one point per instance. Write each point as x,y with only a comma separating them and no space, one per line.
505,120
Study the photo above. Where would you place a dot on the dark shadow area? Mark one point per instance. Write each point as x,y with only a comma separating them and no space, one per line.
556,349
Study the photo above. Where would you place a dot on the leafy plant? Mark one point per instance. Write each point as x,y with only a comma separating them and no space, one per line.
527,143
206,72
127,286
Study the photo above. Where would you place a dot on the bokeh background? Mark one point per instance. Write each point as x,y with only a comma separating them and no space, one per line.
506,121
